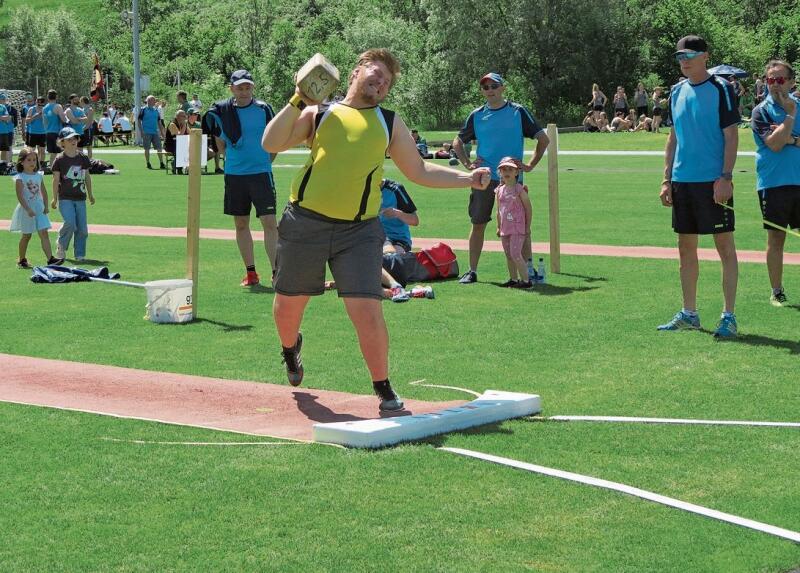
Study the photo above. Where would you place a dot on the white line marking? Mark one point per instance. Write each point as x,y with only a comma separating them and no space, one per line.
420,383
634,491
204,443
672,421
156,420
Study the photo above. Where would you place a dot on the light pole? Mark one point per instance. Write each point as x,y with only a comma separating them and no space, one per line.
132,17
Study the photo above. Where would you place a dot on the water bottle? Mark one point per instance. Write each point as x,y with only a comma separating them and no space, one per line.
532,276
541,272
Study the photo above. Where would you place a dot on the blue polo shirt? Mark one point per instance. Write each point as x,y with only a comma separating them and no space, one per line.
79,114
52,121
36,126
247,157
393,194
149,118
6,126
500,133
699,114
774,169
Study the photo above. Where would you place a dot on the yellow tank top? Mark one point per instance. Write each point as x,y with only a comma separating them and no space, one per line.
342,177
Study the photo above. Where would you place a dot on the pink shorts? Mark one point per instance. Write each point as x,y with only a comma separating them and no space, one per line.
512,246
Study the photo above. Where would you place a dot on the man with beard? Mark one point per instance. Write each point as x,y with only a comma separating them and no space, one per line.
332,216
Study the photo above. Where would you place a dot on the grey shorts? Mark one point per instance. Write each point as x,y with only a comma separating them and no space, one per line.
154,138
481,204
307,241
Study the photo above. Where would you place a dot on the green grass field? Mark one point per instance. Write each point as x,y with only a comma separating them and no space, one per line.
586,343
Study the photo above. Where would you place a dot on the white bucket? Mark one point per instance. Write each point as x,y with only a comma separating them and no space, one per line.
169,301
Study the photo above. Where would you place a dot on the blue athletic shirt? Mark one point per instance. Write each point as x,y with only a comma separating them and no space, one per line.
247,157
6,126
52,121
79,114
699,114
393,194
36,126
774,169
24,114
149,118
500,132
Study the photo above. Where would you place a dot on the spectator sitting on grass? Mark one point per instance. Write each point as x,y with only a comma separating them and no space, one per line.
602,123
446,152
644,124
590,123
422,145
620,122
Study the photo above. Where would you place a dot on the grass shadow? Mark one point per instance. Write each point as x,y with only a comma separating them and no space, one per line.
226,327
555,290
258,289
793,346
587,278
309,406
84,262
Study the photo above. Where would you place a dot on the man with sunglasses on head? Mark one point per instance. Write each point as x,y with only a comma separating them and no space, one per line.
777,136
500,127
698,179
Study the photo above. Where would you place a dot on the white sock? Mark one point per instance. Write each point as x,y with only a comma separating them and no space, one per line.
689,312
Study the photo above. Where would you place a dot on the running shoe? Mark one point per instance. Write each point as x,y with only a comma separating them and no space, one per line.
510,283
682,321
420,291
727,327
399,294
23,264
523,284
61,253
468,277
251,279
293,362
55,261
390,401
778,299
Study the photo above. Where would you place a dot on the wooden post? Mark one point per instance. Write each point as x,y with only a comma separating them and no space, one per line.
552,188
193,214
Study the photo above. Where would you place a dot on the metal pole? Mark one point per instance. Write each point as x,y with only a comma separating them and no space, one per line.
37,86
137,90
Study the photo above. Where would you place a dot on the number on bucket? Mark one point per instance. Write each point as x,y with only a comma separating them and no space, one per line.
189,299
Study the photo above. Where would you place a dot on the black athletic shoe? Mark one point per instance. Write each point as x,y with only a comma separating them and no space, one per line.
149,166
523,284
23,264
294,364
390,401
55,261
468,277
510,283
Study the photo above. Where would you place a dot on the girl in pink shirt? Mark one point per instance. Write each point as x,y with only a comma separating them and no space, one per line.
513,221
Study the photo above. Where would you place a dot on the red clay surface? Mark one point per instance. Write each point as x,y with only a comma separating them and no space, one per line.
227,405
457,244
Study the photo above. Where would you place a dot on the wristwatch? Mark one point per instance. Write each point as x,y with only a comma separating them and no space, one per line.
297,101
728,176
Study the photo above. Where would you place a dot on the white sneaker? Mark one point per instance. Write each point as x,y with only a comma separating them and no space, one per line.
60,254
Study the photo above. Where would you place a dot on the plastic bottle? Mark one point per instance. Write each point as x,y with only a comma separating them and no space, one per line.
541,272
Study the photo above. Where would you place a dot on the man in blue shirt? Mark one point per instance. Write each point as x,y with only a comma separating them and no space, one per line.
500,127
152,129
238,124
777,136
698,179
6,130
34,126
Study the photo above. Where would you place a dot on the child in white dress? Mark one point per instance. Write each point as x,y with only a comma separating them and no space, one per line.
30,216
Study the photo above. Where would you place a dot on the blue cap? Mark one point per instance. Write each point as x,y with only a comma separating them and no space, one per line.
241,77
67,133
492,77
3,95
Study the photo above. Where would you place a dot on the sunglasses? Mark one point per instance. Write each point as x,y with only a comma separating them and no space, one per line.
487,86
779,81
687,56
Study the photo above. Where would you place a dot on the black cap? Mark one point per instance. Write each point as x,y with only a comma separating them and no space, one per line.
241,77
691,44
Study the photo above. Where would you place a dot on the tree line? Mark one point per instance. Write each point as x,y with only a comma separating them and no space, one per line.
549,51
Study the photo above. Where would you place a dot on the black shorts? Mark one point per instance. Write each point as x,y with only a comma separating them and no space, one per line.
481,204
241,191
86,139
694,211
641,109
37,140
781,206
5,141
52,145
657,111
598,107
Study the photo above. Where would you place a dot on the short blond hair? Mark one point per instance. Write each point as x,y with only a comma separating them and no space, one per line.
379,55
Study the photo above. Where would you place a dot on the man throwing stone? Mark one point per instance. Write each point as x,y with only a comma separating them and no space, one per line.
698,174
238,124
500,127
776,132
332,217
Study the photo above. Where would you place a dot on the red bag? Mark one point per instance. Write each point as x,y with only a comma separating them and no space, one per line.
440,261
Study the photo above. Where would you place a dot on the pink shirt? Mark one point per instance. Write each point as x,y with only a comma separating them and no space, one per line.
512,212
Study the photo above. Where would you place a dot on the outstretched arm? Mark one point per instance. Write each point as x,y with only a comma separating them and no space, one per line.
403,151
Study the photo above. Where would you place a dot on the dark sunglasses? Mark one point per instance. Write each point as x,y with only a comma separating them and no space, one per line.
687,55
489,86
779,81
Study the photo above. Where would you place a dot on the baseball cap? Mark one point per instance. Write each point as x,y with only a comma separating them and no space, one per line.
492,77
691,44
3,95
67,133
240,77
508,161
